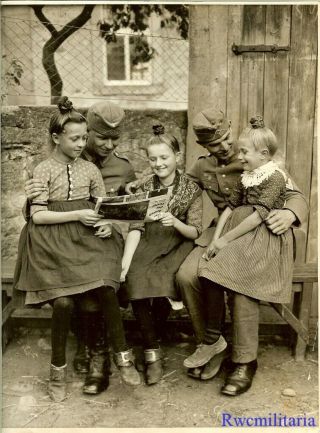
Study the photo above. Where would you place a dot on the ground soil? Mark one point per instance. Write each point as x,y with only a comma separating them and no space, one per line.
177,401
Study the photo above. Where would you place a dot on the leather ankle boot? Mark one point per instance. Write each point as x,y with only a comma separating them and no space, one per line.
153,360
240,379
97,379
81,361
125,363
57,387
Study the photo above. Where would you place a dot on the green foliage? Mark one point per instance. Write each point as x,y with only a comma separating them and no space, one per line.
136,18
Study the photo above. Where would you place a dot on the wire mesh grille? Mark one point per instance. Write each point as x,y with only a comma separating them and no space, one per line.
90,68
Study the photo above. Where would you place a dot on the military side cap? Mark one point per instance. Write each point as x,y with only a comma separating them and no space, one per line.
105,118
210,125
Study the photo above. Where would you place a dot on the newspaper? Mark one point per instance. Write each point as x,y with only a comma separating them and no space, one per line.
144,206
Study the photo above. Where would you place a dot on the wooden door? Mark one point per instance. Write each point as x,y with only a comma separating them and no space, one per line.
281,87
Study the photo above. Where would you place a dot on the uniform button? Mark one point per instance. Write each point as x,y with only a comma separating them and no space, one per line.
223,175
222,165
112,190
227,189
70,192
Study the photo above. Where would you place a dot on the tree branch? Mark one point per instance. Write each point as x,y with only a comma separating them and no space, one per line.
44,20
74,24
57,38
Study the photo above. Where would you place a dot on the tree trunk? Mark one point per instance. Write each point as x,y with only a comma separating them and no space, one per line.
57,38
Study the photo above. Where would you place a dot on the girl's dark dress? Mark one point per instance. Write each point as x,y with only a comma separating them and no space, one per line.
64,259
258,264
161,250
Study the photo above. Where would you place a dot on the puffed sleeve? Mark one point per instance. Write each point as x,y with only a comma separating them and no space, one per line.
40,203
273,190
236,197
194,214
97,188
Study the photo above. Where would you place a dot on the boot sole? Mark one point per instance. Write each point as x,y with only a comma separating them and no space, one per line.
216,368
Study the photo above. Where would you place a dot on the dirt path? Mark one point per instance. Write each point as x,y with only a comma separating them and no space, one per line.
177,401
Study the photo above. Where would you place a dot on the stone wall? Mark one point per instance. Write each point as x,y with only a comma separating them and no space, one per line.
25,144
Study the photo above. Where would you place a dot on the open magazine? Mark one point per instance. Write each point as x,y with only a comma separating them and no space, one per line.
144,206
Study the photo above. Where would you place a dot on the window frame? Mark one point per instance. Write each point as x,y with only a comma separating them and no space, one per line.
126,33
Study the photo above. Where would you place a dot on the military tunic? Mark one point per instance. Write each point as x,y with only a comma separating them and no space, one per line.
116,171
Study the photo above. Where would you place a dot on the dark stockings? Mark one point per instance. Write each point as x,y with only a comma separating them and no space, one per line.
150,317
112,317
61,317
215,309
90,327
89,320
160,310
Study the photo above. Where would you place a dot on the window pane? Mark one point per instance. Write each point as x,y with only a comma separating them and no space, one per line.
116,60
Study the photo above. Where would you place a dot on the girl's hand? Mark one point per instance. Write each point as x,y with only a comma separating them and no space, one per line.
104,231
33,188
214,247
168,220
210,251
125,268
88,217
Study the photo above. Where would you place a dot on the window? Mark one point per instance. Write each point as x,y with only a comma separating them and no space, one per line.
123,60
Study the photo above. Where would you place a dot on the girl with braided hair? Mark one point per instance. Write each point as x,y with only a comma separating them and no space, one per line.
60,258
245,259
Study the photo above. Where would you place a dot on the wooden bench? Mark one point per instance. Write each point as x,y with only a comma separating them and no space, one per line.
296,314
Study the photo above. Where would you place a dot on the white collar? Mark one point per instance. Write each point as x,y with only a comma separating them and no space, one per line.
258,175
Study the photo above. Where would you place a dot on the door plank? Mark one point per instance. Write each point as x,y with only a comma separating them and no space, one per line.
278,21
199,74
252,67
234,28
302,87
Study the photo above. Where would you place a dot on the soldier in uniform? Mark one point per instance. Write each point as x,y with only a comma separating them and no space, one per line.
217,174
104,129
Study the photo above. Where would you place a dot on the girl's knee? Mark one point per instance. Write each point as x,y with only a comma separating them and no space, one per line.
63,303
89,305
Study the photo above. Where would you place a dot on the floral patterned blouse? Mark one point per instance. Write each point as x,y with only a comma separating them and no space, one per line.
76,180
264,188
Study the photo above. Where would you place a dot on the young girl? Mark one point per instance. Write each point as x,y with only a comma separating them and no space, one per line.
60,258
154,251
246,258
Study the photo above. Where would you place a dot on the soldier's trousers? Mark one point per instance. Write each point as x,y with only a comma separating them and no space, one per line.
243,309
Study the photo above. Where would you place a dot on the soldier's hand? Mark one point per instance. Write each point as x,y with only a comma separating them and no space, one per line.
104,231
33,188
280,220
131,187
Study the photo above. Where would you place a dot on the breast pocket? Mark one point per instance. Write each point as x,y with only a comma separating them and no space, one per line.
210,183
